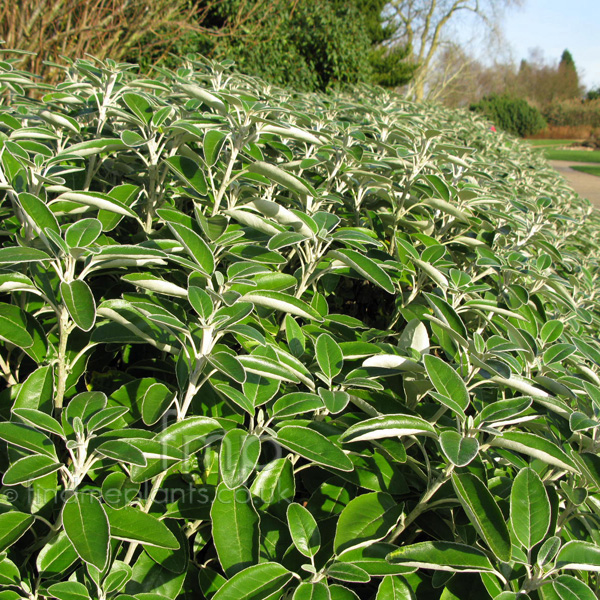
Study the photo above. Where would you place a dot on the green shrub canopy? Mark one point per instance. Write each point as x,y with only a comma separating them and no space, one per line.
259,344
513,115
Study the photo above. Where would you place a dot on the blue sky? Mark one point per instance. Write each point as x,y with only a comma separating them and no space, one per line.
552,26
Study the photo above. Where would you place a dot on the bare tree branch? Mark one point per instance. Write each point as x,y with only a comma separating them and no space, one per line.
427,21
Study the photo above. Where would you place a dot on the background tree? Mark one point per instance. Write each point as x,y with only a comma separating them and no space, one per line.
422,24
567,73
544,82
307,45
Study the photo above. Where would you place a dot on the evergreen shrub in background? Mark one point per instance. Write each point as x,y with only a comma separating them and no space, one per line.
513,115
258,344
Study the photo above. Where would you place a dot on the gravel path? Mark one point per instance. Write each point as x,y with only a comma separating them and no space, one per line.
584,184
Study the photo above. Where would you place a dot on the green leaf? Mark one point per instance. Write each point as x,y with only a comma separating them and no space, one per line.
459,450
69,590
13,525
303,529
238,457
284,239
365,267
503,409
551,331
282,215
13,328
94,146
152,283
105,417
191,434
195,246
120,573
139,106
28,438
39,213
446,380
151,581
205,96
329,355
343,571
387,426
9,574
122,451
228,365
132,525
366,519
566,587
83,233
548,550
98,200
441,556
529,508
37,391
435,274
235,529
56,556
535,446
155,403
201,302
86,526
212,144
118,490
372,559
278,175
210,581
311,591
125,193
484,513
583,556
16,254
235,396
80,303
394,588
558,353
40,420
295,338
296,403
28,468
268,368
313,446
449,316
274,483
257,582
189,172
335,401
339,592
283,302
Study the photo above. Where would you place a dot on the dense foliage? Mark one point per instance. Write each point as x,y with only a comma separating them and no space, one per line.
511,114
574,113
301,44
304,44
258,344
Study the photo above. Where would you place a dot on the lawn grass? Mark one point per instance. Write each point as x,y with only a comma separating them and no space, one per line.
550,143
590,170
591,156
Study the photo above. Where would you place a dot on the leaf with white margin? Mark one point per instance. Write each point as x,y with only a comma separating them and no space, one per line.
387,426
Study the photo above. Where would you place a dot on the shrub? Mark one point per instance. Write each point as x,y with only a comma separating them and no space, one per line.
593,141
256,344
574,113
306,45
513,115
